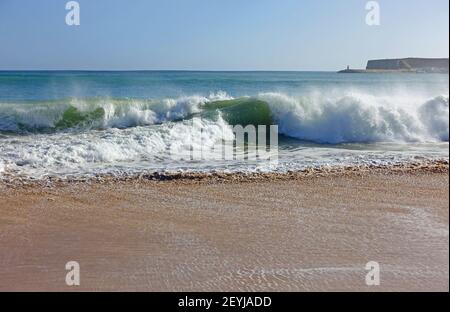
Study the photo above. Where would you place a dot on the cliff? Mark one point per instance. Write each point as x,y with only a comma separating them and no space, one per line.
426,65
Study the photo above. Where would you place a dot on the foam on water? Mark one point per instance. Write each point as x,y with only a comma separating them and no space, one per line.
360,118
352,117
100,113
101,151
322,125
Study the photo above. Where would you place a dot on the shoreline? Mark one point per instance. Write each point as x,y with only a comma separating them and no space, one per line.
309,231
425,166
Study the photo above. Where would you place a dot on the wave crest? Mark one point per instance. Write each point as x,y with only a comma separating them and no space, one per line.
347,118
99,113
359,118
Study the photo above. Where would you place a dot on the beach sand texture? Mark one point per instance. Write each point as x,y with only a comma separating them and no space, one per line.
294,234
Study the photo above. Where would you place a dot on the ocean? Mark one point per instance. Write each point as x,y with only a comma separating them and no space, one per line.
83,123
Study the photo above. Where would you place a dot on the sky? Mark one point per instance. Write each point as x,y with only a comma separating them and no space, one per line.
217,34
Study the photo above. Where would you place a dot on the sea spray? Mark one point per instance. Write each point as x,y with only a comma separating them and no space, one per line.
359,118
98,113
88,124
345,119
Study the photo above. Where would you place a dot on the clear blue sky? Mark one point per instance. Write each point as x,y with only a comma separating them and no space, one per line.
218,34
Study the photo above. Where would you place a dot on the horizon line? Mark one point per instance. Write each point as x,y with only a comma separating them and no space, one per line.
162,70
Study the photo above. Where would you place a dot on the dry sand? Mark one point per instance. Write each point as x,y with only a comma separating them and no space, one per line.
290,233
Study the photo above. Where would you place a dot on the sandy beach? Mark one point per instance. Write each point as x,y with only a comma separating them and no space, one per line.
287,233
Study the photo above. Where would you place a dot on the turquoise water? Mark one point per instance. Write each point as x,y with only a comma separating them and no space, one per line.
19,86
83,123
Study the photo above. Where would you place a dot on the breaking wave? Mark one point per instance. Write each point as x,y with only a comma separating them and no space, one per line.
360,118
351,118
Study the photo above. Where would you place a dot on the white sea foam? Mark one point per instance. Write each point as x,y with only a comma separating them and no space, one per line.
137,135
97,151
117,113
358,117
434,116
323,118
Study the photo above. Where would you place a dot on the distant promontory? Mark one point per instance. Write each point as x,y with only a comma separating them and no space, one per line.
408,65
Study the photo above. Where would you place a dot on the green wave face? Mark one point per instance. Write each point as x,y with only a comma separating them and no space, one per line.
72,118
124,113
243,111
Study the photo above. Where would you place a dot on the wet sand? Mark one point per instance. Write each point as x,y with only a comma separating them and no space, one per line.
286,233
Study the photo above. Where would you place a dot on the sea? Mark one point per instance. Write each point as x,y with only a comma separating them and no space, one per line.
89,123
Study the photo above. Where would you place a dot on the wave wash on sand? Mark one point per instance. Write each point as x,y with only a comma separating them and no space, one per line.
308,232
